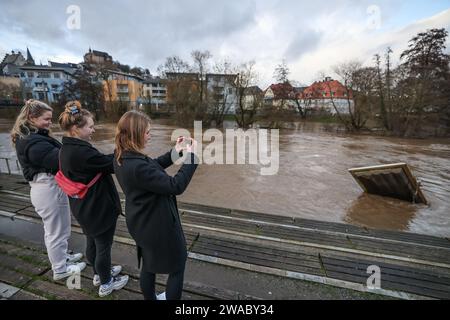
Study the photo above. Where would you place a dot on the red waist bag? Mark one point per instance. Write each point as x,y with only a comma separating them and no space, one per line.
73,189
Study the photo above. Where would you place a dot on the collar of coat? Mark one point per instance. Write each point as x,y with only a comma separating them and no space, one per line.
26,130
76,141
133,155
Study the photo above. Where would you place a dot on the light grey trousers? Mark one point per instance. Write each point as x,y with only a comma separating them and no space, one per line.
52,205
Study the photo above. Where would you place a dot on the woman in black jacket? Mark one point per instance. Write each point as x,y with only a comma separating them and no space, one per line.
37,153
98,211
150,203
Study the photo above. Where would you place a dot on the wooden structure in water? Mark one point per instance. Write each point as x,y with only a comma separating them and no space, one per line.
391,180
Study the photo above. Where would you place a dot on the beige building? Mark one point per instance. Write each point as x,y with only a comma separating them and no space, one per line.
10,90
10,81
123,87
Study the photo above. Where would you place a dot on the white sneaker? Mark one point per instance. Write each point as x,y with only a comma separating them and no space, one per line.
161,296
70,270
115,270
73,257
116,283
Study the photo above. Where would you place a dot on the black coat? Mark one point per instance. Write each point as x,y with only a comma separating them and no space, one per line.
80,162
38,153
151,208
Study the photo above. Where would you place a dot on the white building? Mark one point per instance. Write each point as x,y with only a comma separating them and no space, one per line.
155,92
221,92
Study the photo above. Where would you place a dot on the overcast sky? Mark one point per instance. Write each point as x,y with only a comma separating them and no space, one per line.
312,36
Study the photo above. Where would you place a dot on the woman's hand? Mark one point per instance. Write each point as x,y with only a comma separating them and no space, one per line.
179,145
192,146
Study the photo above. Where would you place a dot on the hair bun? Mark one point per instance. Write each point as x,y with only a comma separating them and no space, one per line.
73,107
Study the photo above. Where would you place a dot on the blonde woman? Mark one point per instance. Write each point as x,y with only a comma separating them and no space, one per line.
37,153
150,203
98,211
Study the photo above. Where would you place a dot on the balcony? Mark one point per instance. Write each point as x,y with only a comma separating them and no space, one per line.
122,89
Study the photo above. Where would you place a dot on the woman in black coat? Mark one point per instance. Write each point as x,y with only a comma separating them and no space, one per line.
150,203
98,211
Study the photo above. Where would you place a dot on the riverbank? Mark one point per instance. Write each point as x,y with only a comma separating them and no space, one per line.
331,124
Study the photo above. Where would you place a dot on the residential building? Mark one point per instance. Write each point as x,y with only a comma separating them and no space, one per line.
321,95
12,60
44,83
123,87
252,96
155,92
221,92
280,96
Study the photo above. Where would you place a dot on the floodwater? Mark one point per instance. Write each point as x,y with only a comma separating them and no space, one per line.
312,181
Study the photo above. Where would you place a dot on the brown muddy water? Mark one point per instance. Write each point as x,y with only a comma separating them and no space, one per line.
312,181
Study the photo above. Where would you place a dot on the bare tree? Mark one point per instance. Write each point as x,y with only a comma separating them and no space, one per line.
381,90
358,85
249,99
173,64
201,66
388,88
281,73
85,87
221,91
183,94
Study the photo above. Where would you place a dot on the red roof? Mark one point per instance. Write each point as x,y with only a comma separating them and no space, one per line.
282,90
322,89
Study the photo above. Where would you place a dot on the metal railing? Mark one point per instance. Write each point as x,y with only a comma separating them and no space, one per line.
8,166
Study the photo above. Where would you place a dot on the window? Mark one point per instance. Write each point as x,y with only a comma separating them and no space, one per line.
230,90
54,86
57,75
56,96
30,74
43,74
122,87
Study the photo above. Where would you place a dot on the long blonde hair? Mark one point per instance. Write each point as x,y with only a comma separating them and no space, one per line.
23,125
130,133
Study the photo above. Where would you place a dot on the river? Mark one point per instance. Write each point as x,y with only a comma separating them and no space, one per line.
312,181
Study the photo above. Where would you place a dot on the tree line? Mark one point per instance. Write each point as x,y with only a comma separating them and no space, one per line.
403,100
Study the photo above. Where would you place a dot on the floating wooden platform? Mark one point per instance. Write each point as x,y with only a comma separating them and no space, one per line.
390,180
413,266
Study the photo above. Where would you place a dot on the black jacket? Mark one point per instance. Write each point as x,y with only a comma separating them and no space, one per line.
38,153
80,162
151,207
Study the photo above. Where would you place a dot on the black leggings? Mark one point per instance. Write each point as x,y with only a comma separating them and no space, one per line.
98,253
174,286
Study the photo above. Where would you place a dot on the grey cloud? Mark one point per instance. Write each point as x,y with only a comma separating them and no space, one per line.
147,29
145,32
302,43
